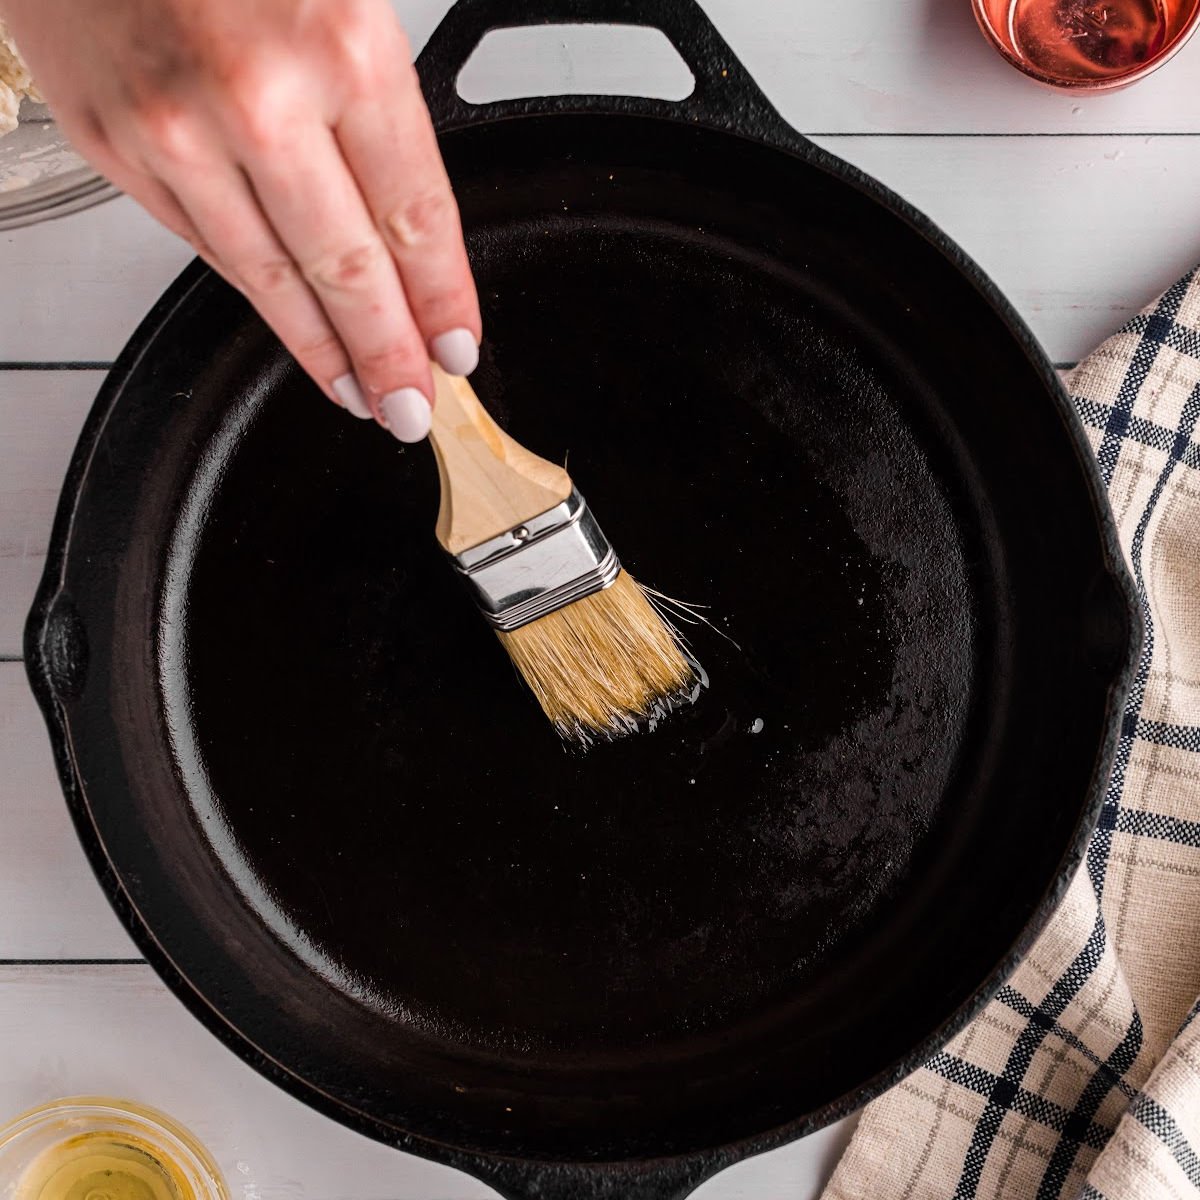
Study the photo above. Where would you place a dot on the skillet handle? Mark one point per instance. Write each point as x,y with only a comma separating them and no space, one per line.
56,650
725,94
664,1179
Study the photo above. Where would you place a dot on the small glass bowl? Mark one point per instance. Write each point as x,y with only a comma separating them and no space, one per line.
1086,23
40,175
78,1118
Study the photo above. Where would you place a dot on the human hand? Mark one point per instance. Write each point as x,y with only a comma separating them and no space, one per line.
290,145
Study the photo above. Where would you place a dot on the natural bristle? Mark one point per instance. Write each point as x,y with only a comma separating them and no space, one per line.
604,665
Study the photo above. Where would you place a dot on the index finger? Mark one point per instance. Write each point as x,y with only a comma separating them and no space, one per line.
318,213
391,148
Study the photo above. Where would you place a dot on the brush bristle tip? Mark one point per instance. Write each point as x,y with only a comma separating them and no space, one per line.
606,665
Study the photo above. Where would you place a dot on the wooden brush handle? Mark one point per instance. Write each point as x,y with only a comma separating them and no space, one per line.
490,483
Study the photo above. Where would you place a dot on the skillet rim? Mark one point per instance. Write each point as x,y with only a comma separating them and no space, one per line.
48,653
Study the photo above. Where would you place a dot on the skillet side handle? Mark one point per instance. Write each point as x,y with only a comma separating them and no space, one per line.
725,94
662,1179
1112,624
56,653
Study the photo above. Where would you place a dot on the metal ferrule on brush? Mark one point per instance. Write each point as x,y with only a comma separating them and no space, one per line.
550,561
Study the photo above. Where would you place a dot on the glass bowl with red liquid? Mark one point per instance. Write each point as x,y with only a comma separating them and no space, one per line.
1087,45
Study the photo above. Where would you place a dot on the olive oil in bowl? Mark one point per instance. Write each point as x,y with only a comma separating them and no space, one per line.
88,1148
102,1166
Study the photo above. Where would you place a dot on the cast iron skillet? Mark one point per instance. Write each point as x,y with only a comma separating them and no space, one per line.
337,826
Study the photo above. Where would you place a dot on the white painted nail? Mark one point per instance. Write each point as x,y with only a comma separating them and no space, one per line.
408,414
456,351
346,389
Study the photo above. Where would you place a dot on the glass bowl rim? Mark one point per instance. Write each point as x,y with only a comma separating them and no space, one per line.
1113,82
176,1135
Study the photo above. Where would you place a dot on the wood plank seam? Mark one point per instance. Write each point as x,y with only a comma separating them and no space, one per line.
73,962
72,365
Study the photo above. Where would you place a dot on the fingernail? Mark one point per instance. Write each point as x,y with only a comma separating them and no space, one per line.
346,389
408,414
457,352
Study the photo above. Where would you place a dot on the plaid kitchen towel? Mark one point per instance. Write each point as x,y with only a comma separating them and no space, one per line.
1082,1078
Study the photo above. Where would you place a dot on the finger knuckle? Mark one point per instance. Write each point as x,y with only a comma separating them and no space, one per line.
381,370
448,307
169,129
321,351
267,276
354,35
258,98
421,218
349,269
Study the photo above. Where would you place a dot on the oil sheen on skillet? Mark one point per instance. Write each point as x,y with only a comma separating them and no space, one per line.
397,808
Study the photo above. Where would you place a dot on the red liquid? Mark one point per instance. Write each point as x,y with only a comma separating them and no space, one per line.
1087,39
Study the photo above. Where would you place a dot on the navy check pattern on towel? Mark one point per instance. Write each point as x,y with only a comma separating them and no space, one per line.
1082,1078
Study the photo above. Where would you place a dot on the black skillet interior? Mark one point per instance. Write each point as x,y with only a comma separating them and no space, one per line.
330,812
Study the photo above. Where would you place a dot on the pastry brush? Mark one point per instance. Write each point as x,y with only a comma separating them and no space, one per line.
596,653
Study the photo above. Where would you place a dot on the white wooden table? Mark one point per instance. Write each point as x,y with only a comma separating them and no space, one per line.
1081,209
